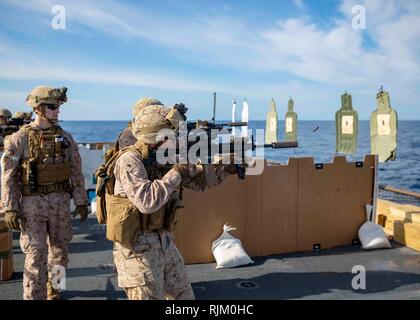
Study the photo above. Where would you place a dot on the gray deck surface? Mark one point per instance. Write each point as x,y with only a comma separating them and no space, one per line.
391,274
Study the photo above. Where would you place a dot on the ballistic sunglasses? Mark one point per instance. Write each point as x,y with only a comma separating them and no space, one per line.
51,106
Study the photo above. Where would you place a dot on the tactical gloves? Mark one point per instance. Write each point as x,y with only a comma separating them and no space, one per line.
11,218
83,211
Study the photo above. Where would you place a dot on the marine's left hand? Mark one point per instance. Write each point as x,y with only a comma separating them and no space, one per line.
83,211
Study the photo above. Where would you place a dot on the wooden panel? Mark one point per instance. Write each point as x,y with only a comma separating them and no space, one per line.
318,192
285,209
279,209
252,199
6,258
359,192
5,240
6,269
204,217
331,205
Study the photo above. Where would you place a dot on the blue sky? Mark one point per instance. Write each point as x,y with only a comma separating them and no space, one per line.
115,52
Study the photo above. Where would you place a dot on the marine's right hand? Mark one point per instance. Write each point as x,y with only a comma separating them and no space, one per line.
12,218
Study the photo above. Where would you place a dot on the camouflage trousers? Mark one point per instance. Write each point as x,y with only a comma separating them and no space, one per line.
153,269
46,231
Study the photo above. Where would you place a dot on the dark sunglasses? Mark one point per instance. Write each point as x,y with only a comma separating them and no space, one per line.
51,106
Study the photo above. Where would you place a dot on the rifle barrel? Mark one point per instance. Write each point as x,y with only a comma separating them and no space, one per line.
279,145
237,124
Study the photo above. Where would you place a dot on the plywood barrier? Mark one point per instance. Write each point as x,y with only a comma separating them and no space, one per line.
288,208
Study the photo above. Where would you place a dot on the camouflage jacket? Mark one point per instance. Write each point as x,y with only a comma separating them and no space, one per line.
132,181
16,149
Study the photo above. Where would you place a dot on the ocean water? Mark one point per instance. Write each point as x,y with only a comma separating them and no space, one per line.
403,173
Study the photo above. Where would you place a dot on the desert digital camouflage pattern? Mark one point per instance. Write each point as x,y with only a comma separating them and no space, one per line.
153,268
143,103
46,221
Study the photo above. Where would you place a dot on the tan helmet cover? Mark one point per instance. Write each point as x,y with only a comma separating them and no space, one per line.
143,103
149,121
44,94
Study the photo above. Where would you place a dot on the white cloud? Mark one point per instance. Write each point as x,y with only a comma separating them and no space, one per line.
295,45
300,4
24,71
338,57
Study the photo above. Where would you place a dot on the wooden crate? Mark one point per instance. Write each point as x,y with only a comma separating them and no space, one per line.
6,268
400,221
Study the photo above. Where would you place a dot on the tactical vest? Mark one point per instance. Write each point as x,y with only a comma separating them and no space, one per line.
124,220
48,168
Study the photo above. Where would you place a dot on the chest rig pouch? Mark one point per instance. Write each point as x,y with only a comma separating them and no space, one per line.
124,221
169,215
48,168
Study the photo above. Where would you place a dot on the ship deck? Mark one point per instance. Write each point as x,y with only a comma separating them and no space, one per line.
390,274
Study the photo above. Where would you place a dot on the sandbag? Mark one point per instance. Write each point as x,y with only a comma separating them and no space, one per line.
228,250
372,236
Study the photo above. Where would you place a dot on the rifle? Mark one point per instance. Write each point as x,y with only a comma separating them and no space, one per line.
8,129
212,129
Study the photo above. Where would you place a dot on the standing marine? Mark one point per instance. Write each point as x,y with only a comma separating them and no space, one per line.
143,205
5,116
41,172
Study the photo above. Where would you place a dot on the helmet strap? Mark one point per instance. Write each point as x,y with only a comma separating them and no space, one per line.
40,111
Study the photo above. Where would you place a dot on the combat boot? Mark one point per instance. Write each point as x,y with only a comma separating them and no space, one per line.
52,294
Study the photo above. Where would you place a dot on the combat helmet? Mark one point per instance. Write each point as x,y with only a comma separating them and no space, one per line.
48,95
5,113
19,115
150,120
143,103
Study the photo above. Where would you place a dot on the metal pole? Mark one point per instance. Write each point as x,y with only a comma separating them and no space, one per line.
214,107
400,191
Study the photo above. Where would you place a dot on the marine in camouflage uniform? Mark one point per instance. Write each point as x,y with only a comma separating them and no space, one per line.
41,171
5,116
126,137
152,267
